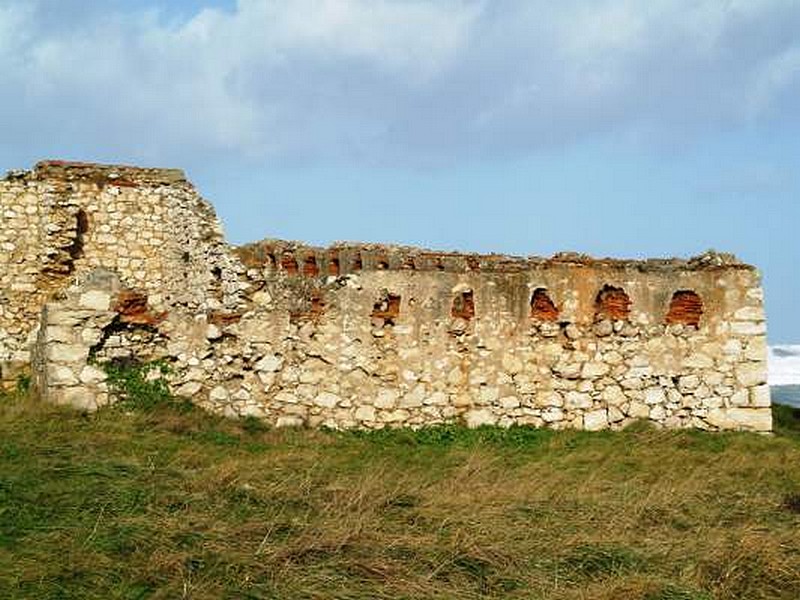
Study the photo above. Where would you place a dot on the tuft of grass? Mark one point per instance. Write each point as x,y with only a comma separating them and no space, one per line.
159,502
599,561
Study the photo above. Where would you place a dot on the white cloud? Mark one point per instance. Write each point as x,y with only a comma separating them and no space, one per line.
387,80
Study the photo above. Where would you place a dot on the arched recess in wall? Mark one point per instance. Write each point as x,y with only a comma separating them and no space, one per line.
463,305
289,263
310,268
333,264
612,303
542,307
75,249
387,308
685,308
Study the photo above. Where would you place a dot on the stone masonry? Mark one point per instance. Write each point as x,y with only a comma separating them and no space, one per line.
103,263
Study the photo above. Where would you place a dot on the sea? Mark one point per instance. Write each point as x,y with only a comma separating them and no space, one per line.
786,394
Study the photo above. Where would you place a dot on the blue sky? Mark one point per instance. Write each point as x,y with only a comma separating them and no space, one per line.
621,128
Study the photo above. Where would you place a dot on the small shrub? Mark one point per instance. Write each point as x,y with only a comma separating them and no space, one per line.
23,384
142,386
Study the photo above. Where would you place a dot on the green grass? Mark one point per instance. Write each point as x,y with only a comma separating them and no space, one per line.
159,501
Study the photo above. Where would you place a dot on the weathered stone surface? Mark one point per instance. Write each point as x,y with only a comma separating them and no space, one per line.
477,418
95,300
595,420
749,419
327,400
751,374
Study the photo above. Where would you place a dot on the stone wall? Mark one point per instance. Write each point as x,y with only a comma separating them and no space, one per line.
374,336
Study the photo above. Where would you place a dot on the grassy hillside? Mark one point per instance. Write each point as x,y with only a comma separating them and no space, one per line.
172,503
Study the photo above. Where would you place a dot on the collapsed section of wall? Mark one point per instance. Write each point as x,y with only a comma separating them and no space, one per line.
61,220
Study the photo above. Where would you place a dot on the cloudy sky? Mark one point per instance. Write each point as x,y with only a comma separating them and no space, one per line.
622,128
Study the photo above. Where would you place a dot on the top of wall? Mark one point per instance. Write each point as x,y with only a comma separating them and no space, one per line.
100,174
346,257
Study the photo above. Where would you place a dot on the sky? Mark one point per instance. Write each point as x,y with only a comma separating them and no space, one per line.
610,127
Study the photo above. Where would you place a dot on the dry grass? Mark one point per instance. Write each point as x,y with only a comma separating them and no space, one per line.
171,504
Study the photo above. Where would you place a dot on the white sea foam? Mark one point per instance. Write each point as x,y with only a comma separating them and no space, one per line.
784,365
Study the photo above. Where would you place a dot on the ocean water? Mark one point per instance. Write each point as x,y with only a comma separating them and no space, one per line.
786,394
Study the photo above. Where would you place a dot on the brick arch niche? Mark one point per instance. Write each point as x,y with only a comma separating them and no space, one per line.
685,308
542,307
612,303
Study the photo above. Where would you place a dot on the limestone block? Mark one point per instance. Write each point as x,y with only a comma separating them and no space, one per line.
568,370
593,370
578,400
326,400
189,389
655,395
756,350
748,328
614,396
289,421
365,413
740,397
511,363
59,333
698,360
632,383
603,328
437,399
639,410
60,375
477,418
657,413
67,353
615,415
751,374
749,419
552,414
732,347
488,394
78,397
95,300
395,416
760,396
688,383
509,402
749,313
550,399
218,394
386,398
92,375
595,420
269,363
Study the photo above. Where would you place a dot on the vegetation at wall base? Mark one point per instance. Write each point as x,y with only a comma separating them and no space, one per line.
155,501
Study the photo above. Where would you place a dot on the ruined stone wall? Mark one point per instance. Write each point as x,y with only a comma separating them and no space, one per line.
372,336
62,220
367,336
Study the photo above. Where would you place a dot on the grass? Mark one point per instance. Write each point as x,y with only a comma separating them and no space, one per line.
160,501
